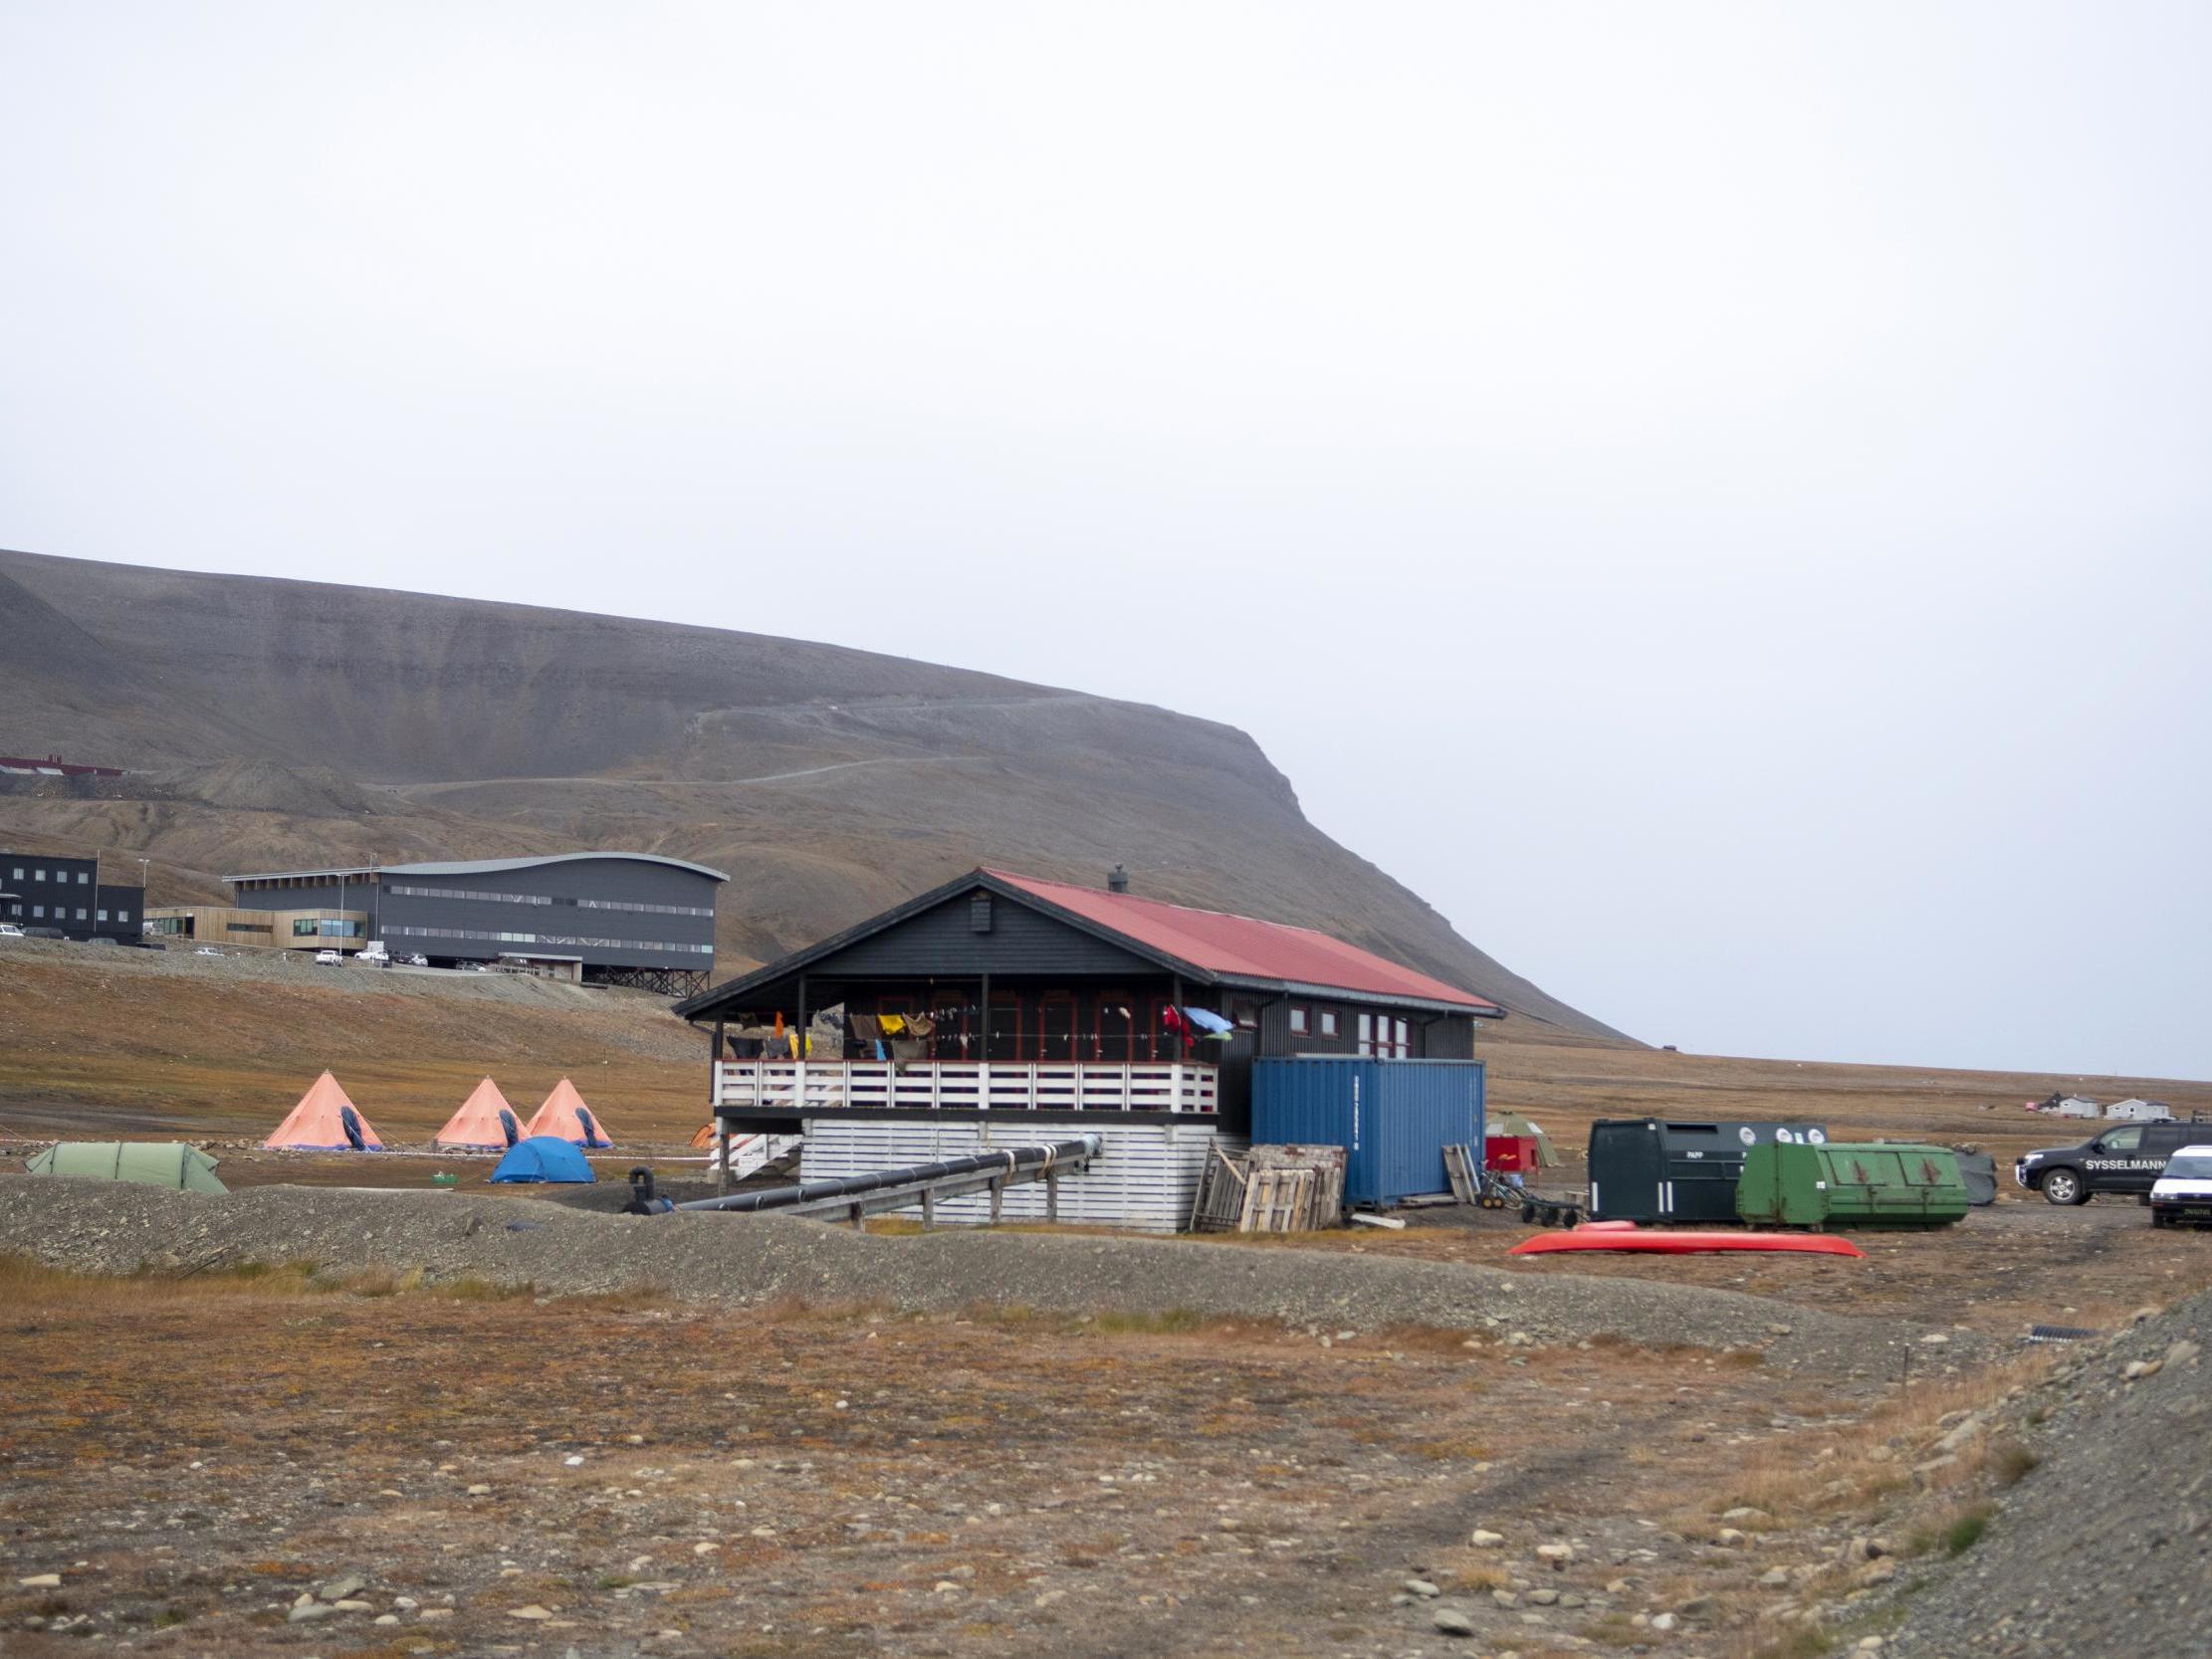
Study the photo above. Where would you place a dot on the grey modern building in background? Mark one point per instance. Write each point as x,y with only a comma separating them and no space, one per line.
66,895
610,919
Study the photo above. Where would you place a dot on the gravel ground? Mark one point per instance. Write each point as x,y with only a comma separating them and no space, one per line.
113,1228
2105,1548
250,967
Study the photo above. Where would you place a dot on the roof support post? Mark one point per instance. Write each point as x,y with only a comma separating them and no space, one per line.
1181,1025
803,1022
722,1135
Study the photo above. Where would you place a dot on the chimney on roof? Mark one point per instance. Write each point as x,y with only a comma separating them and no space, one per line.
1117,879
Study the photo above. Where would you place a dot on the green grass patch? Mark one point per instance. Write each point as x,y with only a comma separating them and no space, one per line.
1168,1321
1966,1531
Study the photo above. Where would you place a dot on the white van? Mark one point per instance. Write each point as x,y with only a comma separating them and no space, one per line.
2182,1193
373,953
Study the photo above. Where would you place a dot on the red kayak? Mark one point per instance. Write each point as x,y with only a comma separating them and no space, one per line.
1622,1235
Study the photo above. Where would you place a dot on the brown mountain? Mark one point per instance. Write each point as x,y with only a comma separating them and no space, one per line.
269,723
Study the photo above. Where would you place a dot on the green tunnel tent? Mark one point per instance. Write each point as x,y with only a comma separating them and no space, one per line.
150,1164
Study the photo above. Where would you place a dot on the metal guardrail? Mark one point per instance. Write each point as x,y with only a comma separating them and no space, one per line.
856,1197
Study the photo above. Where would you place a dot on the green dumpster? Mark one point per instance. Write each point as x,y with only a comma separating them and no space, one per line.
1851,1184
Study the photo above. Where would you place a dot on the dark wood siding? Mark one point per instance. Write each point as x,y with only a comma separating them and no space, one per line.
941,943
1451,1038
1428,1037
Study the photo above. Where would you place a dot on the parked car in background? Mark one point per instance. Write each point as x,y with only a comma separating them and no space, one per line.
373,953
9,930
2182,1195
2123,1162
328,957
207,951
418,959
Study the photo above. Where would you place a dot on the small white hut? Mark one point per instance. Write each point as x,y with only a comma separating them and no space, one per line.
2137,1111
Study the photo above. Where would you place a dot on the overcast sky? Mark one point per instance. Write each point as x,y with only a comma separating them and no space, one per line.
1714,496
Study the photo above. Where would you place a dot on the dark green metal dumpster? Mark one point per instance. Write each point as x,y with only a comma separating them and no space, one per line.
1851,1184
1647,1170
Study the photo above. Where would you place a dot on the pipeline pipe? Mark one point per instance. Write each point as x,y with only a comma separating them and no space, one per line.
1010,1159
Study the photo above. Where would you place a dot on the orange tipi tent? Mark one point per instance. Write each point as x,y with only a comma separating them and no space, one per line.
566,1117
485,1122
324,1121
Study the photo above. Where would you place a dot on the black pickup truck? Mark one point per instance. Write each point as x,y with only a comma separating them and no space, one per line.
2123,1160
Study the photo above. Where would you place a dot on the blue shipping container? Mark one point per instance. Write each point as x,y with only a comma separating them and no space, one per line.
1393,1118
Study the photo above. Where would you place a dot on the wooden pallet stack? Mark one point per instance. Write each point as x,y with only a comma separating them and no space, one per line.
1270,1189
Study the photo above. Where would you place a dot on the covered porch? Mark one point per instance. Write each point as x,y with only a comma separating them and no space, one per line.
993,1044
810,1087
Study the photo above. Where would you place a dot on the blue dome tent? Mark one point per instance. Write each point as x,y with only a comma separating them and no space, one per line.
543,1157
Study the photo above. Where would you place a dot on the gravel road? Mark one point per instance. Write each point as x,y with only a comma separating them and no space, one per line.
294,967
113,1228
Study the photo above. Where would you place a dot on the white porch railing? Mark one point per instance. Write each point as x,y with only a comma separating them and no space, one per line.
1178,1086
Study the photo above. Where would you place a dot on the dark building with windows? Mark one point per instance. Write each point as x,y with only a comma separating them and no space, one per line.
38,889
1001,1002
610,919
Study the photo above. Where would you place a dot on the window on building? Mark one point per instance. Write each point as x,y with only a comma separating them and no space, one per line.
1328,1022
122,916
79,913
1297,1022
101,916
84,876
1384,1037
38,875
18,876
1246,1012
38,913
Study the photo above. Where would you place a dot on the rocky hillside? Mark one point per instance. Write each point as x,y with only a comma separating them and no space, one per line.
275,722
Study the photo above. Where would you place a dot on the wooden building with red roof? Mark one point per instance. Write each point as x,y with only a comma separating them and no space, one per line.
1003,1002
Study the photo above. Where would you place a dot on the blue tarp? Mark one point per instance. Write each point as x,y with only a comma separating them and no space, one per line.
1209,1021
543,1157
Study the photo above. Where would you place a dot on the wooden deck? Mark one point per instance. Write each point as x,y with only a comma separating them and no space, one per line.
1178,1087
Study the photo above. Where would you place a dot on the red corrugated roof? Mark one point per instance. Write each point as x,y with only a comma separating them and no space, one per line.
1241,946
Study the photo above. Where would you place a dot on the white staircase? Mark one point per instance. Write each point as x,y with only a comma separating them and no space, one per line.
751,1153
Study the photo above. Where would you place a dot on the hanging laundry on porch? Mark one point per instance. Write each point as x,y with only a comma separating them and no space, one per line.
1172,1017
1208,1021
920,1025
865,1027
894,1026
